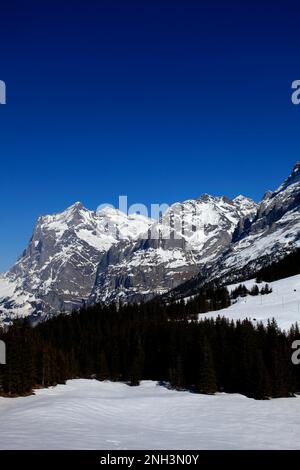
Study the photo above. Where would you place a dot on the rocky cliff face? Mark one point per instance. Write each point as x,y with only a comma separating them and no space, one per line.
81,256
57,271
188,236
273,233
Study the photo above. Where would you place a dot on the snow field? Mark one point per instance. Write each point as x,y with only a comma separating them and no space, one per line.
86,414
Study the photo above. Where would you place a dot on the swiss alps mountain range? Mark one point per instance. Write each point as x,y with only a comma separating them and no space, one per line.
79,257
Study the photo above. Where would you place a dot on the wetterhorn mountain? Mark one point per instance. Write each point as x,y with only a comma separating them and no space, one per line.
57,271
80,256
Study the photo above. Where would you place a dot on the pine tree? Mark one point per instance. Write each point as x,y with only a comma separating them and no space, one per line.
255,290
176,373
103,372
206,378
261,379
136,363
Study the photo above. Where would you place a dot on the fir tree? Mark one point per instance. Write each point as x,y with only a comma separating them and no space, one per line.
206,378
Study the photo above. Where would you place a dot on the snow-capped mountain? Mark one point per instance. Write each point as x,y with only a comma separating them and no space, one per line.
188,236
273,233
57,271
80,256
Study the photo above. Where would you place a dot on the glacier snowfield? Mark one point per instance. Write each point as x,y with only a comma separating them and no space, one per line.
87,414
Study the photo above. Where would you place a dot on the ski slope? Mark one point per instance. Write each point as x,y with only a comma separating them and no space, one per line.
283,304
86,414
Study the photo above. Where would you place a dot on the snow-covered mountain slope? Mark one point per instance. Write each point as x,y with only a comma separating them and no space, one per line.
189,235
275,230
13,300
88,414
81,256
57,271
273,233
283,304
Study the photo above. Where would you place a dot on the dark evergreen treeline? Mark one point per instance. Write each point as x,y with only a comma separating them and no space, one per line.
151,341
286,267
208,299
242,291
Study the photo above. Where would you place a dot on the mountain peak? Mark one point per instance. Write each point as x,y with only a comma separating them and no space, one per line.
77,206
207,197
74,214
245,205
241,197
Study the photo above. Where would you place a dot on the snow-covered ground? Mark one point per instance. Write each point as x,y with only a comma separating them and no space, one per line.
86,414
283,303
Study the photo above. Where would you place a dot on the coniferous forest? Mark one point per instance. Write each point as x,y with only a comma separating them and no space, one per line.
152,341
288,266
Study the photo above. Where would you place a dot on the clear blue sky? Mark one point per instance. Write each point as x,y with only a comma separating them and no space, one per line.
159,100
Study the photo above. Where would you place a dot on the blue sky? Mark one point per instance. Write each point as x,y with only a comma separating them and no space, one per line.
158,100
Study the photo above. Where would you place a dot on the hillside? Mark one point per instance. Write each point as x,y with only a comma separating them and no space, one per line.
283,303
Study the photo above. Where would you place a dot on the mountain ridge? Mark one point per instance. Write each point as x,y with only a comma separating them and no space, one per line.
80,256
